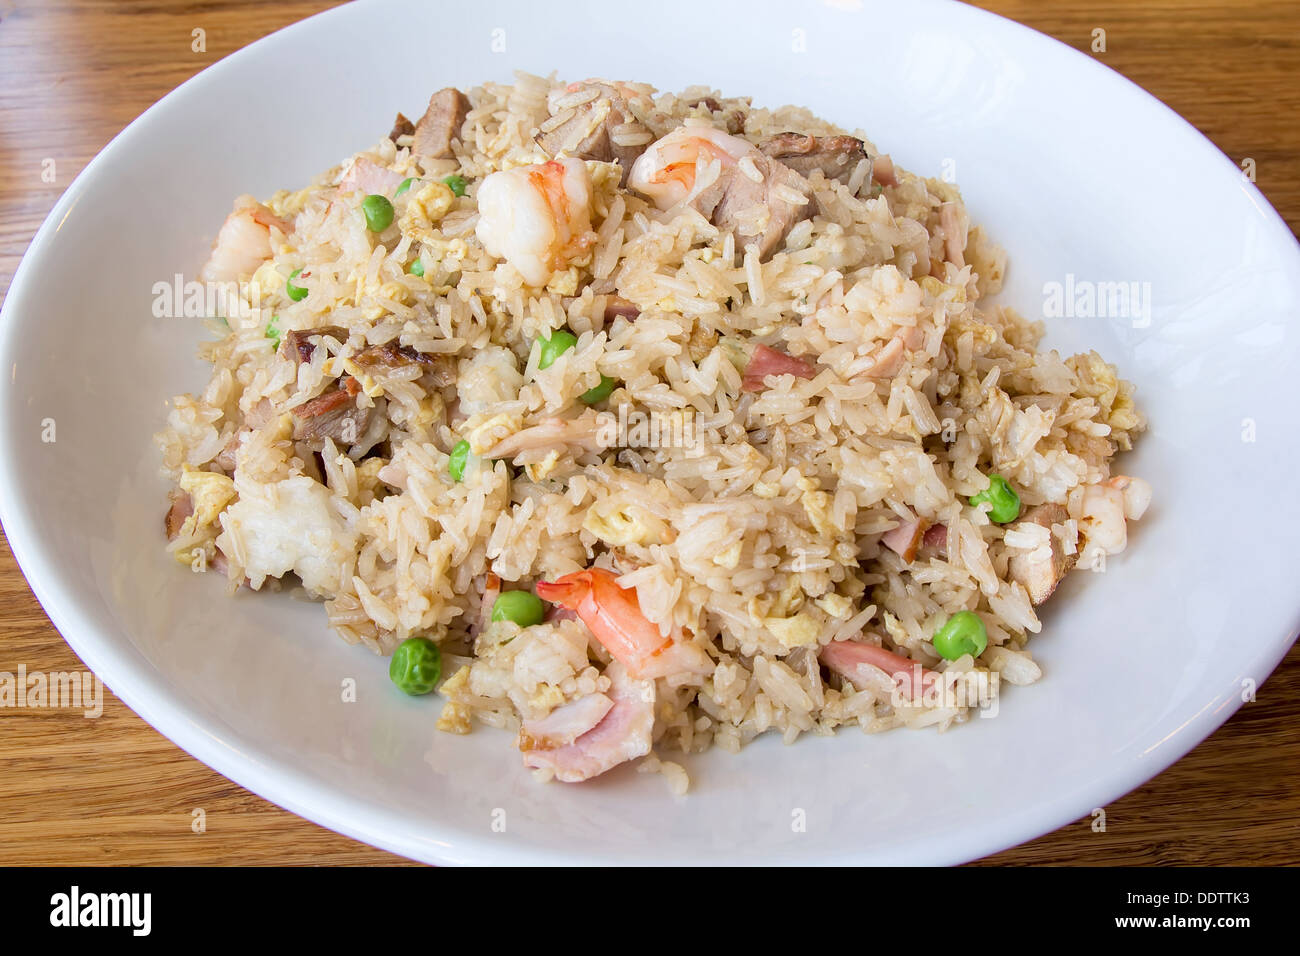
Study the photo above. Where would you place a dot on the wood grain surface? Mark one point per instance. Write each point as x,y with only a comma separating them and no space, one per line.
114,791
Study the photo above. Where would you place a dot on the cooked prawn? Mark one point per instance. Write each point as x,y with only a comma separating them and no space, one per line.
614,617
243,244
685,163
537,218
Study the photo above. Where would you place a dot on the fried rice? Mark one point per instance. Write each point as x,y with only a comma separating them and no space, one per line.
745,486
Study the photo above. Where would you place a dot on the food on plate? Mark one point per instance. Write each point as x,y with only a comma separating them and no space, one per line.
637,422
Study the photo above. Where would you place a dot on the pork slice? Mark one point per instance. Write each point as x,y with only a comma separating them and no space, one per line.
835,156
333,414
439,370
765,210
401,127
595,129
440,124
300,345
1042,570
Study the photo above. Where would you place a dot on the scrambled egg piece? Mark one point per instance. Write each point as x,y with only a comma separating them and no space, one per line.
836,605
267,279
566,282
286,204
729,557
539,470
455,716
939,289
547,698
485,435
817,505
209,493
367,383
425,208
1099,380
798,631
621,525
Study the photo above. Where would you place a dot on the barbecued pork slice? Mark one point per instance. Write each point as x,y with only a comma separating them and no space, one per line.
602,128
333,414
1041,570
440,124
401,127
835,156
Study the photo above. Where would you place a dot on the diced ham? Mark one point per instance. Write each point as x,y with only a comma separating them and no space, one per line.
624,733
765,361
905,539
936,537
849,658
369,178
889,357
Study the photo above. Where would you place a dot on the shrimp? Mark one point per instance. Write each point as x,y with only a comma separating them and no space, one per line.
537,218
848,658
1104,509
614,617
243,244
682,166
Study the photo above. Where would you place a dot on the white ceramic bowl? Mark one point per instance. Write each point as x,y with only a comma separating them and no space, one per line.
1076,171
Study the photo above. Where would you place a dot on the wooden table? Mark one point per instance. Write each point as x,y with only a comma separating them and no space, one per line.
113,790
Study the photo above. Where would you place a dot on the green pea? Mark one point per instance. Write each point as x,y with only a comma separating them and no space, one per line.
599,392
456,184
406,184
552,348
378,211
273,331
963,633
1003,498
456,462
416,666
295,292
416,268
522,607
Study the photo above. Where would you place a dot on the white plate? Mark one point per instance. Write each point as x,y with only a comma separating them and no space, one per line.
1073,169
